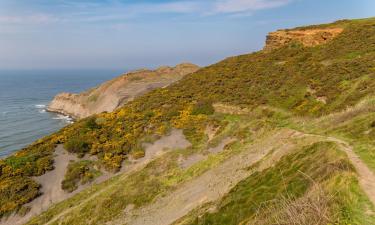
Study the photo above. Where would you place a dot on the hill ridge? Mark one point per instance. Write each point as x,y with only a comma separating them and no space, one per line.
116,92
326,90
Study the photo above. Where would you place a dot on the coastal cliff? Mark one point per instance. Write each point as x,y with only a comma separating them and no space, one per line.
307,37
118,91
217,146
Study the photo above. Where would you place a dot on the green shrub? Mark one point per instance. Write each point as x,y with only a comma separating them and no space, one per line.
249,81
77,145
80,172
203,107
91,123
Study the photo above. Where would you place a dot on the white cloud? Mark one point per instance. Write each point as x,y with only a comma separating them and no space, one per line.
238,6
116,12
29,19
173,7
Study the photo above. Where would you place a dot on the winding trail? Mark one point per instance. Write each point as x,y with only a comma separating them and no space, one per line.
366,177
215,183
211,185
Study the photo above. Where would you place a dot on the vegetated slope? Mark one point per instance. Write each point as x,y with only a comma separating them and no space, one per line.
293,85
116,92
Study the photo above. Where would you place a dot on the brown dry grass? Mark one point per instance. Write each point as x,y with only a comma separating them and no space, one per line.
310,209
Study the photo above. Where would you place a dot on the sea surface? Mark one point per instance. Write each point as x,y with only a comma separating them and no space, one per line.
24,96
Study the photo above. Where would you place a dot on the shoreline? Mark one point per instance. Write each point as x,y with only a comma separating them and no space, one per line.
71,118
66,118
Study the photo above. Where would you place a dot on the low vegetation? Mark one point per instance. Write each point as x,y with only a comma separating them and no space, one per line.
302,88
16,185
80,172
316,183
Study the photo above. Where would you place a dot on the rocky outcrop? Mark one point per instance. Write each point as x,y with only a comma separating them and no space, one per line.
307,37
115,93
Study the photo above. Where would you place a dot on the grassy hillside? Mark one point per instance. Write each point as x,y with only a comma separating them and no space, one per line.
294,191
281,88
313,180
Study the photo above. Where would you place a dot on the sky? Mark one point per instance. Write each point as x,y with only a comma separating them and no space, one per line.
125,34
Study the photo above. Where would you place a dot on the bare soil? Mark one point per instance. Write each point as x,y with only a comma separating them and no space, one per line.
174,140
51,187
208,187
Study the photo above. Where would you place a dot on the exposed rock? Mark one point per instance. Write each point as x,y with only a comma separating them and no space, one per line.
307,37
116,92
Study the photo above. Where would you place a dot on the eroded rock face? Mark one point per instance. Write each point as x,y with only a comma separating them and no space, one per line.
116,92
308,37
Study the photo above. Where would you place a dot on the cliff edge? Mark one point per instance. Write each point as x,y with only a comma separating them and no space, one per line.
307,37
118,91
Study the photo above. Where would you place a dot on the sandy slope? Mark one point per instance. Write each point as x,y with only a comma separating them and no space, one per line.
51,181
210,186
51,187
213,184
175,139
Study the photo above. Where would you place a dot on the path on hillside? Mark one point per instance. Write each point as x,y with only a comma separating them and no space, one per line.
211,185
215,183
366,176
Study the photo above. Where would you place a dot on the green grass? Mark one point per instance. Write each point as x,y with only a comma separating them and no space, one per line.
361,134
291,179
79,172
140,188
253,81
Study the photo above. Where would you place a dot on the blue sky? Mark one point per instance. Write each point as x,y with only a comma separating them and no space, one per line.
125,34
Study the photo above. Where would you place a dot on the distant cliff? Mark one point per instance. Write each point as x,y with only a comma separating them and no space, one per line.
115,93
307,37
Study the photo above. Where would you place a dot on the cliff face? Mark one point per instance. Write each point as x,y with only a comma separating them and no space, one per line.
117,92
308,37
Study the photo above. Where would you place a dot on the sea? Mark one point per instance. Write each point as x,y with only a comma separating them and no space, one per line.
24,96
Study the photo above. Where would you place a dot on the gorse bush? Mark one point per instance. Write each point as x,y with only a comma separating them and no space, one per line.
16,191
310,82
16,185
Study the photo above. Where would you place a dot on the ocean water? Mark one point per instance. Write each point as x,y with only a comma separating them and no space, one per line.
24,96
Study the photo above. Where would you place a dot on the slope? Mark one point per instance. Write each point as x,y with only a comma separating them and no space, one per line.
115,93
302,87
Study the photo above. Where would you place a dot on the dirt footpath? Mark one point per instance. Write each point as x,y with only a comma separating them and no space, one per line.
208,187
